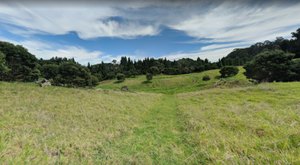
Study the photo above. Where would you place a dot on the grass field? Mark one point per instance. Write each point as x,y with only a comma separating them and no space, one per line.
171,84
181,122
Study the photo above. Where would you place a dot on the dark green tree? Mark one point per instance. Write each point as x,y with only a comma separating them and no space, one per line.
120,77
3,68
229,71
270,66
149,76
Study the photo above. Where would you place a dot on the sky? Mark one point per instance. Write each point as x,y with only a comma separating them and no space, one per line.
96,31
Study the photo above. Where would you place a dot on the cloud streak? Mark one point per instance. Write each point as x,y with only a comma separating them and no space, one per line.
238,24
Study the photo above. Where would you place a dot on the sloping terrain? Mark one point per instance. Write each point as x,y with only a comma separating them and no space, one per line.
257,124
170,84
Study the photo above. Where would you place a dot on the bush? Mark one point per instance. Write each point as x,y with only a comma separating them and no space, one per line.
149,76
295,70
229,71
94,80
206,78
270,66
3,68
120,77
154,70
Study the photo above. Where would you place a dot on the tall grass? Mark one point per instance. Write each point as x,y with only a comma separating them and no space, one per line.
257,124
61,125
252,125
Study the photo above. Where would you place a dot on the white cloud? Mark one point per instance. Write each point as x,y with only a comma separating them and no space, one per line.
212,55
47,50
228,22
240,23
88,22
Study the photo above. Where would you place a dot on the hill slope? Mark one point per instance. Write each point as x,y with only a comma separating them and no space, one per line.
257,124
170,84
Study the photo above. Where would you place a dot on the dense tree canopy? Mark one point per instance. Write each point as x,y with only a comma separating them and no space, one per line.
22,65
131,68
244,55
275,65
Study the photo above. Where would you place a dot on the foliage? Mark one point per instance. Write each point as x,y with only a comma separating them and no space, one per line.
206,78
3,68
150,65
272,66
74,75
50,70
154,70
20,64
240,57
149,76
120,77
229,71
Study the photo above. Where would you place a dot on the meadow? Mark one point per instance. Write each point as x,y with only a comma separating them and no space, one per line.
173,120
172,84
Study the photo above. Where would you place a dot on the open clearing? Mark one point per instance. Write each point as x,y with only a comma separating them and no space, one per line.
256,124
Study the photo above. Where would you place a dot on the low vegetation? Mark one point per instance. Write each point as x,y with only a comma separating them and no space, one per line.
250,125
229,71
170,84
55,125
212,116
205,78
64,125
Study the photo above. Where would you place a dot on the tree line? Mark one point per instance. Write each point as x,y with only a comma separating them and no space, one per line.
268,59
17,64
239,57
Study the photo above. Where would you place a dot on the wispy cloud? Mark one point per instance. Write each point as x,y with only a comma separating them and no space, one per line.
238,24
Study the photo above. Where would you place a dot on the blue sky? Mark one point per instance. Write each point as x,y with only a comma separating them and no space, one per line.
103,31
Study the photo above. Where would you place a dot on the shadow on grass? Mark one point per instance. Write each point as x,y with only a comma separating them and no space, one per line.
118,81
146,82
218,77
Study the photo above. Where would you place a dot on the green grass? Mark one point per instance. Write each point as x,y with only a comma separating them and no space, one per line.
255,125
171,84
174,120
64,125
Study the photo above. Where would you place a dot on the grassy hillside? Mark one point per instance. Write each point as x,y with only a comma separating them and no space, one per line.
170,84
65,125
251,124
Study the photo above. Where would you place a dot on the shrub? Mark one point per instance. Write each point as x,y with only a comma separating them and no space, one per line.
94,80
206,78
229,71
271,66
154,70
149,76
120,77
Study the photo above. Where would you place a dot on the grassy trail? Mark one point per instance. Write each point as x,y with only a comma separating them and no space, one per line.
159,139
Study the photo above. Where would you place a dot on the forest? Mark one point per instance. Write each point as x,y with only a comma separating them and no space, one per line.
276,60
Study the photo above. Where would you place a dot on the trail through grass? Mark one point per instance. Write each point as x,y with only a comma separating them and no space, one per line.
159,139
257,124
